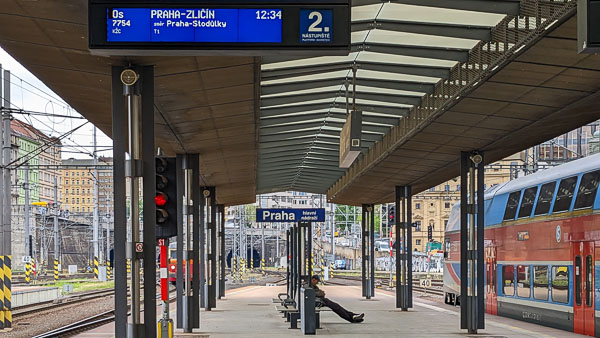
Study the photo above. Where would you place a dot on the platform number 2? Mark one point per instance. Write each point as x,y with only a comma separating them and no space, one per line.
314,27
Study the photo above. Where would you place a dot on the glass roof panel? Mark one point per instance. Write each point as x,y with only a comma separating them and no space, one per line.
401,38
402,59
392,11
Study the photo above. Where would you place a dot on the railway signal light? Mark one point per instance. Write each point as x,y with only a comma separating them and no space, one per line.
165,198
392,215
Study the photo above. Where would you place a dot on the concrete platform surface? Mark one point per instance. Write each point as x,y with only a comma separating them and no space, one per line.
249,312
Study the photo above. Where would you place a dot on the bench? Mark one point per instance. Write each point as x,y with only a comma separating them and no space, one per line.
292,315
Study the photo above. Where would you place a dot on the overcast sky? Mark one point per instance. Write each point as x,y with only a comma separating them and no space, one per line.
29,93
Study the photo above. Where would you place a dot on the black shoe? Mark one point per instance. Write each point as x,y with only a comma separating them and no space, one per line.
359,320
357,317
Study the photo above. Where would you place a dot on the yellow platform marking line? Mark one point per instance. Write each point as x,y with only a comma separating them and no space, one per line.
487,321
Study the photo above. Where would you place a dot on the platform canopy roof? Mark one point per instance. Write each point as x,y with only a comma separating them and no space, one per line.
400,50
432,78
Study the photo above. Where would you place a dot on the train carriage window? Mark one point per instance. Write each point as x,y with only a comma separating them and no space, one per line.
508,280
527,202
560,284
540,282
511,206
564,196
523,281
586,194
545,199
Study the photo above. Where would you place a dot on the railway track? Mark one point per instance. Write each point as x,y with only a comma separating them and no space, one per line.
81,326
25,310
89,323
435,289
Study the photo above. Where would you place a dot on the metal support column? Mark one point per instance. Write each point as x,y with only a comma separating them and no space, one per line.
196,197
403,247
368,250
293,260
119,136
188,248
472,306
182,299
222,255
133,133
211,203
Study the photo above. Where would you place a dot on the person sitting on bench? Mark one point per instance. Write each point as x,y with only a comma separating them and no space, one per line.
335,307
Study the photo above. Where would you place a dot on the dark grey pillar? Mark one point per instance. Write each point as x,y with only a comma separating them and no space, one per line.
211,297
364,252
149,189
222,256
403,247
472,307
181,294
194,164
372,251
119,136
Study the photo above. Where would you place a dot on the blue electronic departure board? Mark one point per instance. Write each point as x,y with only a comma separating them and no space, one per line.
221,25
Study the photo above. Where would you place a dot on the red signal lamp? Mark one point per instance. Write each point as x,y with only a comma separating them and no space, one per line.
160,199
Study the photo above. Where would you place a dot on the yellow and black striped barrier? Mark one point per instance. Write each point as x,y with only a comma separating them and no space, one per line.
128,265
108,271
28,273
233,269
96,267
1,292
7,292
33,270
331,270
252,264
55,269
322,268
262,266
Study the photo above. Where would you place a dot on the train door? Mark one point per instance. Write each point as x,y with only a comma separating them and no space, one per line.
583,287
490,281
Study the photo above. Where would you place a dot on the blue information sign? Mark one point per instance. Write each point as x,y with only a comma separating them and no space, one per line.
290,215
194,25
316,26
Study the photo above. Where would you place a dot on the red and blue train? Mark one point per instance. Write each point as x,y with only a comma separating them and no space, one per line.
542,248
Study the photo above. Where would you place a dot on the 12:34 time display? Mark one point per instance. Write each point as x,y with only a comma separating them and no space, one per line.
268,14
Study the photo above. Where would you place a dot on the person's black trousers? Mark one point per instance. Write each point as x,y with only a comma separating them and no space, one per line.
338,309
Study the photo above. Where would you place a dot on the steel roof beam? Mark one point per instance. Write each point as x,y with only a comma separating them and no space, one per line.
409,69
300,160
508,7
294,172
289,120
283,169
361,95
340,81
283,144
427,28
298,108
295,98
376,108
285,72
429,71
276,129
309,165
439,53
311,134
270,130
